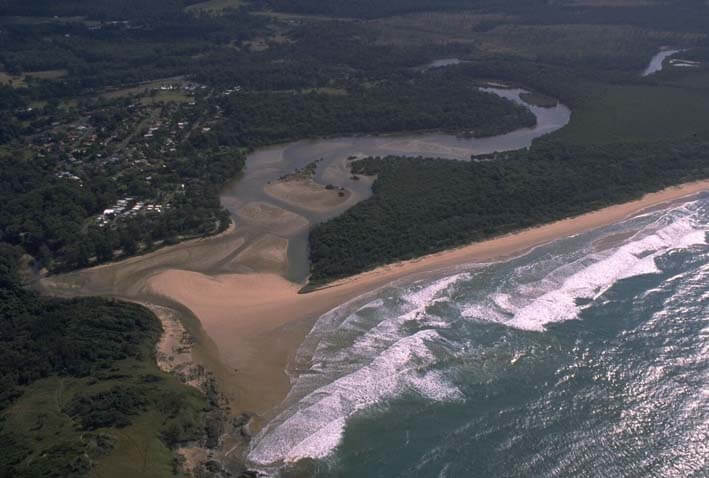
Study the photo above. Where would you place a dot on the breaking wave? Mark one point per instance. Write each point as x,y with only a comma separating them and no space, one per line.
397,342
567,289
381,363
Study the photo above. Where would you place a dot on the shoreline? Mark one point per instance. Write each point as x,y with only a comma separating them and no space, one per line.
259,320
565,227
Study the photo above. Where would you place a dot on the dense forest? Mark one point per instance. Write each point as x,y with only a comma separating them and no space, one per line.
672,14
459,106
421,206
93,361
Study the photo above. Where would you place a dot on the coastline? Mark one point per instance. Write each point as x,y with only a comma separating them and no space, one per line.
535,236
258,320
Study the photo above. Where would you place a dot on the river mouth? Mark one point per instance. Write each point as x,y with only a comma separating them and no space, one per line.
511,357
236,292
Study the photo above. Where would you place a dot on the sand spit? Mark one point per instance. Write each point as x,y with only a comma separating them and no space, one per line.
229,290
271,218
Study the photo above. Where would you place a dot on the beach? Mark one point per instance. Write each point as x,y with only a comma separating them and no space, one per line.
231,298
258,320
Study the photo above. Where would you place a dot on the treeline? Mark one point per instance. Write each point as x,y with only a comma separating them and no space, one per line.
376,9
421,206
101,354
111,54
676,15
96,9
262,118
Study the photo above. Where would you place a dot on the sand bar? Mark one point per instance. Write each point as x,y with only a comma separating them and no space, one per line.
307,194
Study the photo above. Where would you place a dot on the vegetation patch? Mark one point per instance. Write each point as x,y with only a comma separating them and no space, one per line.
81,390
635,113
537,99
273,117
421,206
214,6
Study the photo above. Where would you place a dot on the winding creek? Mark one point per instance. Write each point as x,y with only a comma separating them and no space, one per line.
268,164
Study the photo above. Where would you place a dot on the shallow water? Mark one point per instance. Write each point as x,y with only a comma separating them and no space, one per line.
268,164
440,63
657,61
585,357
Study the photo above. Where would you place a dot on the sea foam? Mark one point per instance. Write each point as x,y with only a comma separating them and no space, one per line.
383,362
388,344
591,276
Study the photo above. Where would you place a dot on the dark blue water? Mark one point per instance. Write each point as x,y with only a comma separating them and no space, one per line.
587,357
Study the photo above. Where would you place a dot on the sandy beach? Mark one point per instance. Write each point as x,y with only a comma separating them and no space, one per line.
258,320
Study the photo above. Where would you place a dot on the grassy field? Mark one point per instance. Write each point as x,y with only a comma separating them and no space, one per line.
214,6
638,113
143,92
486,34
575,42
20,81
692,78
39,419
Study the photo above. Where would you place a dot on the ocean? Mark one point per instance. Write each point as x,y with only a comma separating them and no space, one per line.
585,357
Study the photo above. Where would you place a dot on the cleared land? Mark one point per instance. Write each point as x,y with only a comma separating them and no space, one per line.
19,81
214,6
